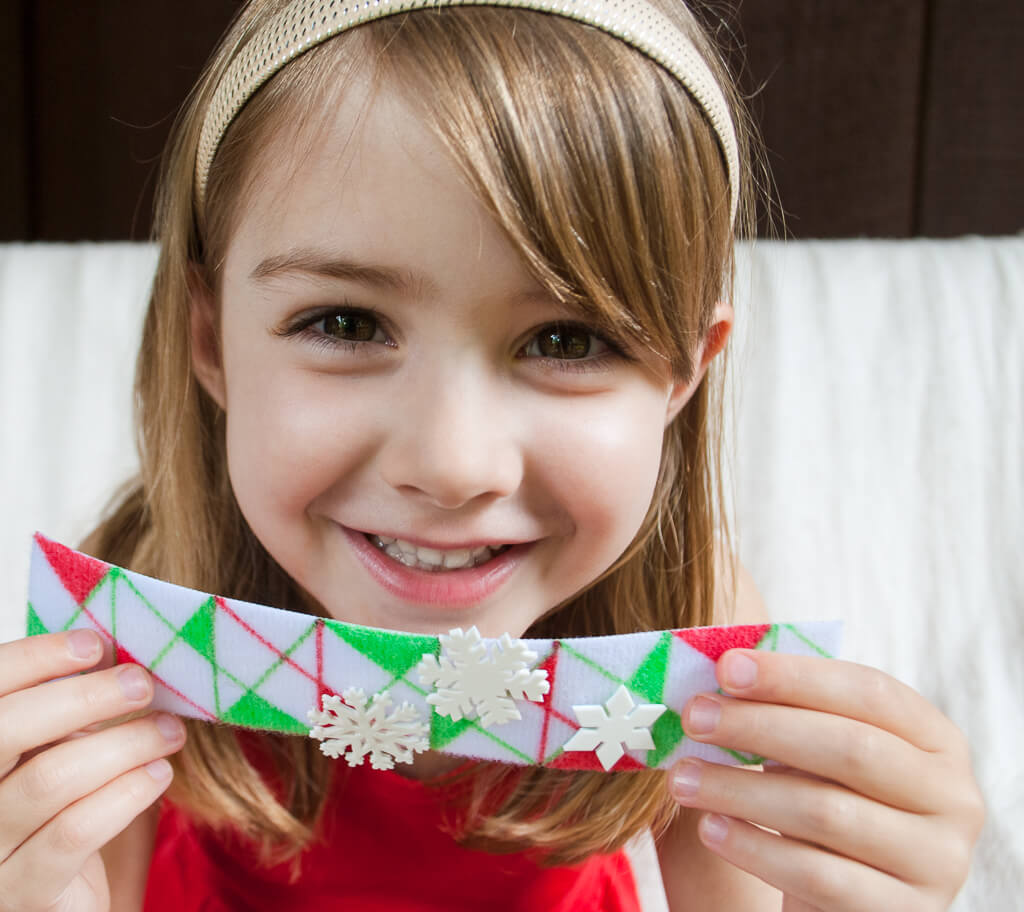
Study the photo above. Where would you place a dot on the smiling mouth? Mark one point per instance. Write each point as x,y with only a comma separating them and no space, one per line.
431,559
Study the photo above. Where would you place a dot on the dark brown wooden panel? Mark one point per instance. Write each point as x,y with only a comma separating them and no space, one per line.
888,119
15,151
972,176
109,78
839,109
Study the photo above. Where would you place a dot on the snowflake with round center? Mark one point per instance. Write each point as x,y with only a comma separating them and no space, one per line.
618,722
474,677
356,729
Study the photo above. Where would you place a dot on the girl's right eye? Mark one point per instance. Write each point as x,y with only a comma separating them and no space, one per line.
332,327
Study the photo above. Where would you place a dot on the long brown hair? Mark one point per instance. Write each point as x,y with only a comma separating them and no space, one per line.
609,181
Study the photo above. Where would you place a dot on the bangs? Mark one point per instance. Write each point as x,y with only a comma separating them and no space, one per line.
596,162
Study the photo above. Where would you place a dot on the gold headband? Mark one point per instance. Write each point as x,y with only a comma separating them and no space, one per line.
306,23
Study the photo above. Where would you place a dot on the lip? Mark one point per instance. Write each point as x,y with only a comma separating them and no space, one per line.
456,588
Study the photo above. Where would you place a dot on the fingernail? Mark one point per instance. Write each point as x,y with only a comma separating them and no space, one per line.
740,671
703,716
170,727
133,683
713,828
160,770
83,644
686,779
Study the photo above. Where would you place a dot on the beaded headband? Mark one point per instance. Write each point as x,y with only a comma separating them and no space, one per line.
304,24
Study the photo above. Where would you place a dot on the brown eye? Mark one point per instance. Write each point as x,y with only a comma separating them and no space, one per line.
350,327
565,343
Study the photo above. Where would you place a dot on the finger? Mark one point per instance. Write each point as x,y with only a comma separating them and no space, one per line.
792,904
30,661
904,845
837,687
55,779
51,711
38,873
865,759
807,873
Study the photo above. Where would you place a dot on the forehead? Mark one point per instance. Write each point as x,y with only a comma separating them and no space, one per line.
371,184
360,158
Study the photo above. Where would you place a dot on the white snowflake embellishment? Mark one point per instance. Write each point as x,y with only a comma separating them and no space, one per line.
472,679
355,729
623,723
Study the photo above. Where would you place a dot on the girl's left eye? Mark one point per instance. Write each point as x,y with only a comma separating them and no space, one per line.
566,342
350,326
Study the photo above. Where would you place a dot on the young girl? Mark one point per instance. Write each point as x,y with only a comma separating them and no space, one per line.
451,282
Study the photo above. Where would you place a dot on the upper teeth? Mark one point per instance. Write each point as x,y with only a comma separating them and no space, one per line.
432,558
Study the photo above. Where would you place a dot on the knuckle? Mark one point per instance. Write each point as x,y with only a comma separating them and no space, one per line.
93,694
828,815
138,787
8,766
746,722
71,832
824,883
98,694
970,808
951,859
860,748
957,744
779,677
44,777
875,691
33,649
959,862
978,811
8,747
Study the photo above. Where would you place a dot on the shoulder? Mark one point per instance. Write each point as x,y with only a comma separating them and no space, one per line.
737,599
127,858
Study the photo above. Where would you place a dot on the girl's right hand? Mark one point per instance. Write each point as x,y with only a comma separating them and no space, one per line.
68,784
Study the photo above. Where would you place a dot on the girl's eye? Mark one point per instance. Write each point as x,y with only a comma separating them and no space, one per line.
350,327
565,342
338,327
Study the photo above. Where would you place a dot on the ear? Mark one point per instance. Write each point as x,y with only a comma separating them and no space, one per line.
207,363
710,346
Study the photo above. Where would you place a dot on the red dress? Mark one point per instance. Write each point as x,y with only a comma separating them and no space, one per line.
384,850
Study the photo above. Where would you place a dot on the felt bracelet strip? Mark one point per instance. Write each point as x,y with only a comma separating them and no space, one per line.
609,702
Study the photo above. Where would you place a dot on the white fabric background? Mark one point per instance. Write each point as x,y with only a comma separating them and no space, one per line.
878,470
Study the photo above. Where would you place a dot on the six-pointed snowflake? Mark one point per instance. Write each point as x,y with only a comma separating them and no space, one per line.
355,729
623,723
472,679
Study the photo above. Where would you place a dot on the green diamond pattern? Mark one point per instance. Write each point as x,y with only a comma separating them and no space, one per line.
260,668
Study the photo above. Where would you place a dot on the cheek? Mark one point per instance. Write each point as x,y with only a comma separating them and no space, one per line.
607,470
288,444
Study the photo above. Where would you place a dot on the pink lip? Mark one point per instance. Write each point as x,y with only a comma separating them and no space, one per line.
450,587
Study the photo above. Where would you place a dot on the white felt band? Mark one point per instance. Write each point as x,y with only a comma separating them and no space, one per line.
607,702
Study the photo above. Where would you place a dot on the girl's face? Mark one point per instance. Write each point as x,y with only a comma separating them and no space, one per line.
402,395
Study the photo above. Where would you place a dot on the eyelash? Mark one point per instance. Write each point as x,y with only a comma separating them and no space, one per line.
614,351
303,327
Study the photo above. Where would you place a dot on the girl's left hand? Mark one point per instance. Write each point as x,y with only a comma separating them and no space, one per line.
869,787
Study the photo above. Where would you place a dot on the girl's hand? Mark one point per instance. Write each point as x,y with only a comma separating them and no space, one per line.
67,784
869,787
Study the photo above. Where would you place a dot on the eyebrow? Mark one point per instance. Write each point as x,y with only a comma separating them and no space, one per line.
315,263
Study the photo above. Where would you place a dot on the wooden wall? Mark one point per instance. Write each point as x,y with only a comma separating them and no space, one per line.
882,117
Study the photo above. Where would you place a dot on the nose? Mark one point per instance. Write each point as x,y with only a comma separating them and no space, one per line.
452,440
